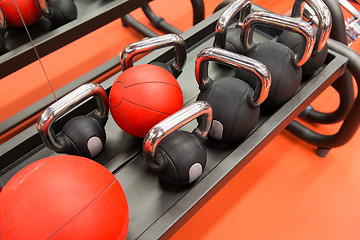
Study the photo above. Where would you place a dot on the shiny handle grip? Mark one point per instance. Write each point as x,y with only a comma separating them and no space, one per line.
324,19
233,60
175,121
3,24
43,7
150,44
225,19
280,22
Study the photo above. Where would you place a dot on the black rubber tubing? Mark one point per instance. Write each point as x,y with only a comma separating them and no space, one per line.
343,85
351,121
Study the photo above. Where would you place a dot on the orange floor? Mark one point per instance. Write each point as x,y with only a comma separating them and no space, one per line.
286,191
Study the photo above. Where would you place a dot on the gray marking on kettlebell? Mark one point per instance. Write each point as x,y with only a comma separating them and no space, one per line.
195,171
94,145
216,130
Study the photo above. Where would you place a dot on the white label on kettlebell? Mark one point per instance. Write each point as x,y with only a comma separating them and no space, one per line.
216,130
195,171
94,145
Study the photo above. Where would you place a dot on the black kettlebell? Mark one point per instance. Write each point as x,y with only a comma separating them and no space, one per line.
229,38
3,27
151,44
322,22
179,156
58,12
81,135
283,63
235,103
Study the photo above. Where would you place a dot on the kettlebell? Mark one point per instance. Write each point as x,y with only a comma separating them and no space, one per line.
58,12
283,63
81,135
229,38
3,27
322,23
235,103
151,44
179,156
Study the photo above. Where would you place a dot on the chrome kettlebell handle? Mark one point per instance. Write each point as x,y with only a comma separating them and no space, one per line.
43,7
323,23
233,60
150,44
3,24
201,110
280,22
66,103
239,6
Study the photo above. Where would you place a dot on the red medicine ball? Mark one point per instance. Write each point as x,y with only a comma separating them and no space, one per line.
142,96
29,10
63,197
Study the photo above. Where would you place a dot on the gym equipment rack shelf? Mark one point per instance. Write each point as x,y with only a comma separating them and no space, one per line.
92,14
156,208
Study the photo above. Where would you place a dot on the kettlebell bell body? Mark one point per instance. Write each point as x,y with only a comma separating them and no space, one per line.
176,150
229,38
58,12
81,135
283,63
235,103
277,63
229,96
318,15
79,128
2,43
178,156
293,41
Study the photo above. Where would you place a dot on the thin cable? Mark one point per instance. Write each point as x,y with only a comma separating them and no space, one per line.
36,52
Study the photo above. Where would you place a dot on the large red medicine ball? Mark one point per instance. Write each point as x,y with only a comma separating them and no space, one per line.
29,10
142,96
63,197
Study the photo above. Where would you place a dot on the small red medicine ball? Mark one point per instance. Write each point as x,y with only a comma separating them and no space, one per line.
63,197
142,96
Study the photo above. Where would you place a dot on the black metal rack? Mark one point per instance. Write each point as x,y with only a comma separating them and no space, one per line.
92,14
158,209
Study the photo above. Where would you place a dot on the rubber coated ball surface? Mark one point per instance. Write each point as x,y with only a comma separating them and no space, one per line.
142,96
29,10
63,197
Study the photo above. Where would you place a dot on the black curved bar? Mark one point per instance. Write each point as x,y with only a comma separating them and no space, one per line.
198,11
343,85
352,120
159,22
221,5
338,30
128,20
